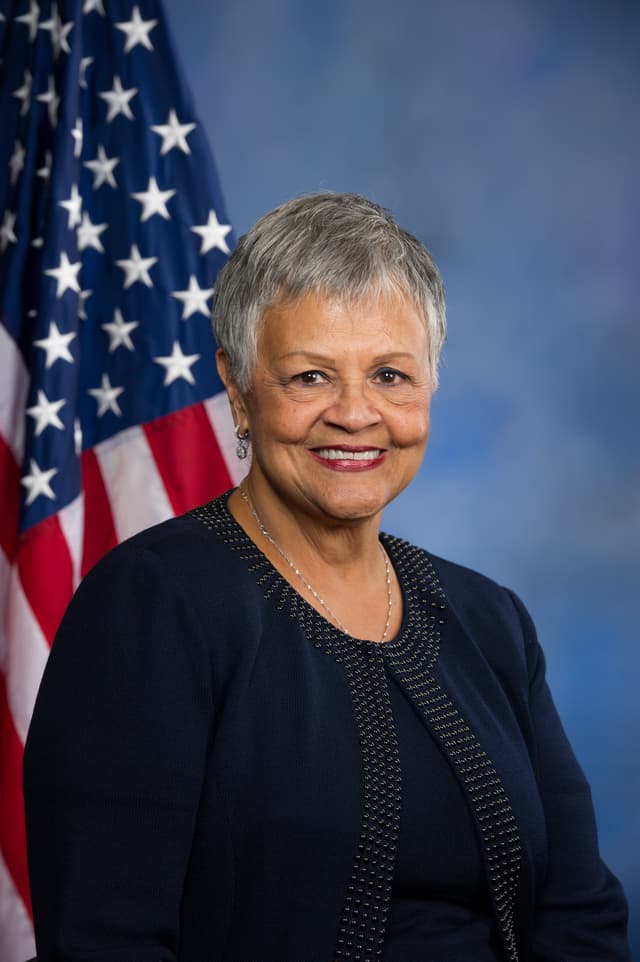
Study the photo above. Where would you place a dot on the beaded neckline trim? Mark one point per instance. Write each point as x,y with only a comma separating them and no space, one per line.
411,656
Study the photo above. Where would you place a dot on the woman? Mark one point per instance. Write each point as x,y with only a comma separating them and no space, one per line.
266,731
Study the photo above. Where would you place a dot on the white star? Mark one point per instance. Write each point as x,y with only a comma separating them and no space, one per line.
154,201
194,299
51,100
118,100
82,75
213,234
137,30
136,268
16,163
177,365
7,234
76,133
77,436
174,134
56,345
73,206
119,332
102,168
66,275
37,242
31,19
59,31
23,93
45,172
96,5
89,234
37,482
45,413
107,397
82,300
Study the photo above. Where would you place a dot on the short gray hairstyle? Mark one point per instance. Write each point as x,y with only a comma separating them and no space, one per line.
336,245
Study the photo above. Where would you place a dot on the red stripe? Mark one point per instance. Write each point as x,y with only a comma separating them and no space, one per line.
9,500
99,530
12,828
46,572
188,457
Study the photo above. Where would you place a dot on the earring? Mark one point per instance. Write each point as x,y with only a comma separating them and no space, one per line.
243,444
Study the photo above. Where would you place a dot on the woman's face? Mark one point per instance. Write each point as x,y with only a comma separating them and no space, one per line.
338,410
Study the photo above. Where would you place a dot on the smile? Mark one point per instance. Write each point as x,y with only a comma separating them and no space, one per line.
339,454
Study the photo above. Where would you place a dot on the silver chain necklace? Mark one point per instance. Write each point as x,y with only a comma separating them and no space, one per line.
266,534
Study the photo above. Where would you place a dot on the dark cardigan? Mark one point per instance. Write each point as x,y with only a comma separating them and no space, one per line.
212,775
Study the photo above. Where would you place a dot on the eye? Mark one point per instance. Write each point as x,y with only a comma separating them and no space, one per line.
310,378
389,376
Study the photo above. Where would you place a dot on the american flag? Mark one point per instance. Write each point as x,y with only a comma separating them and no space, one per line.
112,417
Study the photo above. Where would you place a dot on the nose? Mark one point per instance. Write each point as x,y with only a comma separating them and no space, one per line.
352,408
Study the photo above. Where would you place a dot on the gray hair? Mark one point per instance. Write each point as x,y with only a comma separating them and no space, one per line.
336,245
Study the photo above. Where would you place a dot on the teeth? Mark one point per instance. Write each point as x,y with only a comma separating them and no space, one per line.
332,454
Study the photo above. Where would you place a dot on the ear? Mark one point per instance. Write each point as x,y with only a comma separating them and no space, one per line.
238,407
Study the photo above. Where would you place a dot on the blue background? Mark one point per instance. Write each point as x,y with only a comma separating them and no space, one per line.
506,135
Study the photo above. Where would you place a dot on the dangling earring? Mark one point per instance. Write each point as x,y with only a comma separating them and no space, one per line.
243,443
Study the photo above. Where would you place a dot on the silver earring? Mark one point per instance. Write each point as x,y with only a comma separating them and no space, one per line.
242,446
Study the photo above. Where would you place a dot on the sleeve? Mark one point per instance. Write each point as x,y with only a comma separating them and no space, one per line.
114,764
581,912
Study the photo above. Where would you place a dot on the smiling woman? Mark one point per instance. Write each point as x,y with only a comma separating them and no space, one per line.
268,731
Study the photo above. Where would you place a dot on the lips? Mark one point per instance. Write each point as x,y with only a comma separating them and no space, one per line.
349,459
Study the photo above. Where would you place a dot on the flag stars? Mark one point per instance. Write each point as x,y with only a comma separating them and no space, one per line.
59,32
16,162
177,365
7,233
102,168
107,397
76,133
31,19
118,99
85,62
136,268
73,206
119,332
45,171
174,134
91,5
194,298
56,345
89,234
50,98
23,93
213,234
83,296
154,201
37,482
45,413
137,31
66,275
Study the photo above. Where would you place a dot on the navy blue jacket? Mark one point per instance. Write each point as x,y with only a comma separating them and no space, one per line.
211,773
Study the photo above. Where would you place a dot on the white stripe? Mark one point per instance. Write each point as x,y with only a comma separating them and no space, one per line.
134,486
219,414
23,649
72,523
16,933
14,386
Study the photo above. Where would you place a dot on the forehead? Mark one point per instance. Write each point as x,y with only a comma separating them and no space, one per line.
316,317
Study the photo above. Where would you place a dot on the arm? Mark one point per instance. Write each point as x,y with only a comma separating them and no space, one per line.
114,765
581,911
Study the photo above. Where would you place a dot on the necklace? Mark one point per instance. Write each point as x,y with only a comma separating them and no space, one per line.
266,534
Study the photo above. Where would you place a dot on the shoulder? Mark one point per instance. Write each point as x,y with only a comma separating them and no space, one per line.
488,612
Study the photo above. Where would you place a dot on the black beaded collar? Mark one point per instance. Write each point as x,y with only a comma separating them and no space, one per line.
411,656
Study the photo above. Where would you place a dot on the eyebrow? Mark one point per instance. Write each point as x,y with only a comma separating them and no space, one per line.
327,359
